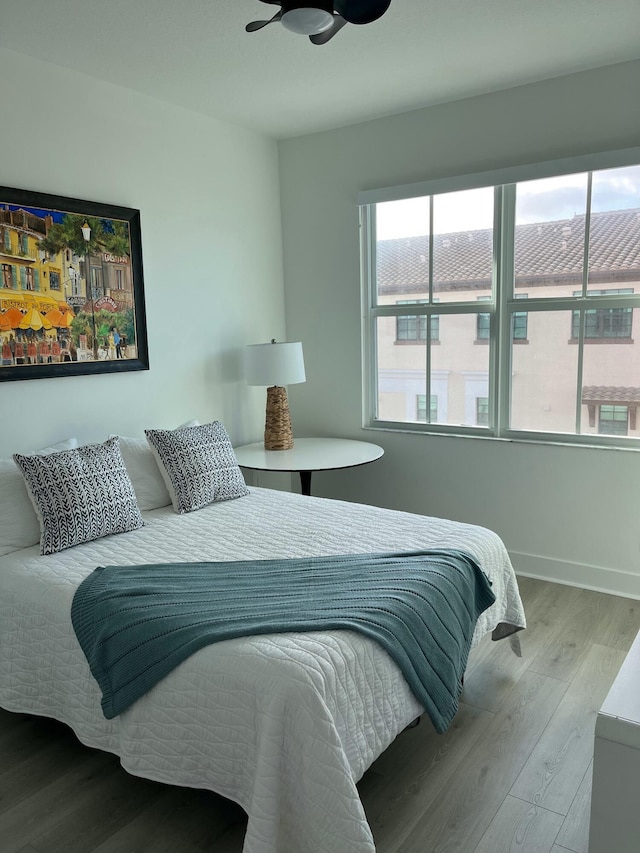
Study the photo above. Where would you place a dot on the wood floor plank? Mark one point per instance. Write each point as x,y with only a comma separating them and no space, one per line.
583,622
574,833
20,824
519,827
411,772
95,813
554,771
493,669
181,819
623,623
464,807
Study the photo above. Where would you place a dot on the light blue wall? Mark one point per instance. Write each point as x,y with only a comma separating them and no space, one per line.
564,512
209,202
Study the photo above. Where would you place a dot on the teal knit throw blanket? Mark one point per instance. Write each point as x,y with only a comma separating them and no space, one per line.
137,623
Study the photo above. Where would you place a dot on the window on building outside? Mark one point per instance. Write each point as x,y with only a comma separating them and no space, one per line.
604,322
566,244
411,328
421,408
613,420
483,322
482,411
54,280
518,322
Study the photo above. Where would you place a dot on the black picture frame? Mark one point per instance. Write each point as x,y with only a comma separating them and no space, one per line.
43,273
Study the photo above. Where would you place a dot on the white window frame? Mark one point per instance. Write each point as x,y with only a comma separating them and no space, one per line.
501,307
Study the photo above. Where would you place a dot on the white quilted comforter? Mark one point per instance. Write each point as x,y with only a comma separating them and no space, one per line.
285,724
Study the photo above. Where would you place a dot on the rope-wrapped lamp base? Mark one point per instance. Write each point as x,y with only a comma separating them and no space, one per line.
278,434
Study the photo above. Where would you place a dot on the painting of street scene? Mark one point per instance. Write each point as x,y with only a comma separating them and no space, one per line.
71,297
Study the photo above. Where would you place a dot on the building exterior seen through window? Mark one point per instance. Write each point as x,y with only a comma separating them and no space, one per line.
447,289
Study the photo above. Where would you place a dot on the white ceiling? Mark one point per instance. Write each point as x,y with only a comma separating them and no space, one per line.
195,53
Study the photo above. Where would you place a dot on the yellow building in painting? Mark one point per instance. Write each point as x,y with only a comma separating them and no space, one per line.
30,277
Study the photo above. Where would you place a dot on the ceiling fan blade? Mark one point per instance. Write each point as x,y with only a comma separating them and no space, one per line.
258,25
336,26
361,11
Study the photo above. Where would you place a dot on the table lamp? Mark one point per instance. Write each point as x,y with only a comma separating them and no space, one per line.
276,365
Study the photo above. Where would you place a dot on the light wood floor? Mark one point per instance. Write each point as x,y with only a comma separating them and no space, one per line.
513,773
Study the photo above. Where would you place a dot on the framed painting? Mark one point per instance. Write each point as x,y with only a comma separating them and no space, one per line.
71,287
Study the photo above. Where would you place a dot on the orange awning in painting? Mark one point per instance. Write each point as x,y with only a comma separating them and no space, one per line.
66,319
11,319
33,319
24,300
55,318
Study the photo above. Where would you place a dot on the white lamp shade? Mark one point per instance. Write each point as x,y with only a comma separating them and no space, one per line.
275,364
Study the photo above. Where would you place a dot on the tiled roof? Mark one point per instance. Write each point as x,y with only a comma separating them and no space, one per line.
547,250
609,393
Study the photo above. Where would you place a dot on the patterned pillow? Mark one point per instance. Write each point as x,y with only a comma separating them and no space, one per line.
198,465
19,527
80,495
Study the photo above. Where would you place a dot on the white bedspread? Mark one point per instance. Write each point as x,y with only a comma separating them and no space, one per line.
286,724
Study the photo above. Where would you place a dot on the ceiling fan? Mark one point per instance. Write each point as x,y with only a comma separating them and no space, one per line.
321,19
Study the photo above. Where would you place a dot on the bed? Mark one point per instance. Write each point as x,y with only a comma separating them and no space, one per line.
285,725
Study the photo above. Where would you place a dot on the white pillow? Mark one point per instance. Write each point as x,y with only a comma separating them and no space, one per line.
80,495
148,482
198,465
151,492
19,527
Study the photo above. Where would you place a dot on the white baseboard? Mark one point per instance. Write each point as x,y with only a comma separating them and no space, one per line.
611,581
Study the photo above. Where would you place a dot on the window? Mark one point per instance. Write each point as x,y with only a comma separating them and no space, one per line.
613,420
482,411
604,323
54,280
7,240
413,329
421,408
518,322
483,322
7,275
466,258
97,289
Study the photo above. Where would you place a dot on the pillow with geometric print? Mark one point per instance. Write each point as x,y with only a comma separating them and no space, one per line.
19,527
198,465
80,495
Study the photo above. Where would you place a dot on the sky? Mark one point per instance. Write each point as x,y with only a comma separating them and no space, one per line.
57,215
544,200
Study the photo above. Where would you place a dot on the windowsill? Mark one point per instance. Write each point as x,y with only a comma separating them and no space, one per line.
397,343
517,341
481,436
602,341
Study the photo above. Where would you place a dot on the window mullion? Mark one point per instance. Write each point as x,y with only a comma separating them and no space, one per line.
506,236
583,313
428,330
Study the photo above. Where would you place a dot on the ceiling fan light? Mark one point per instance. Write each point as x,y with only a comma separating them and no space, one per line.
307,21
